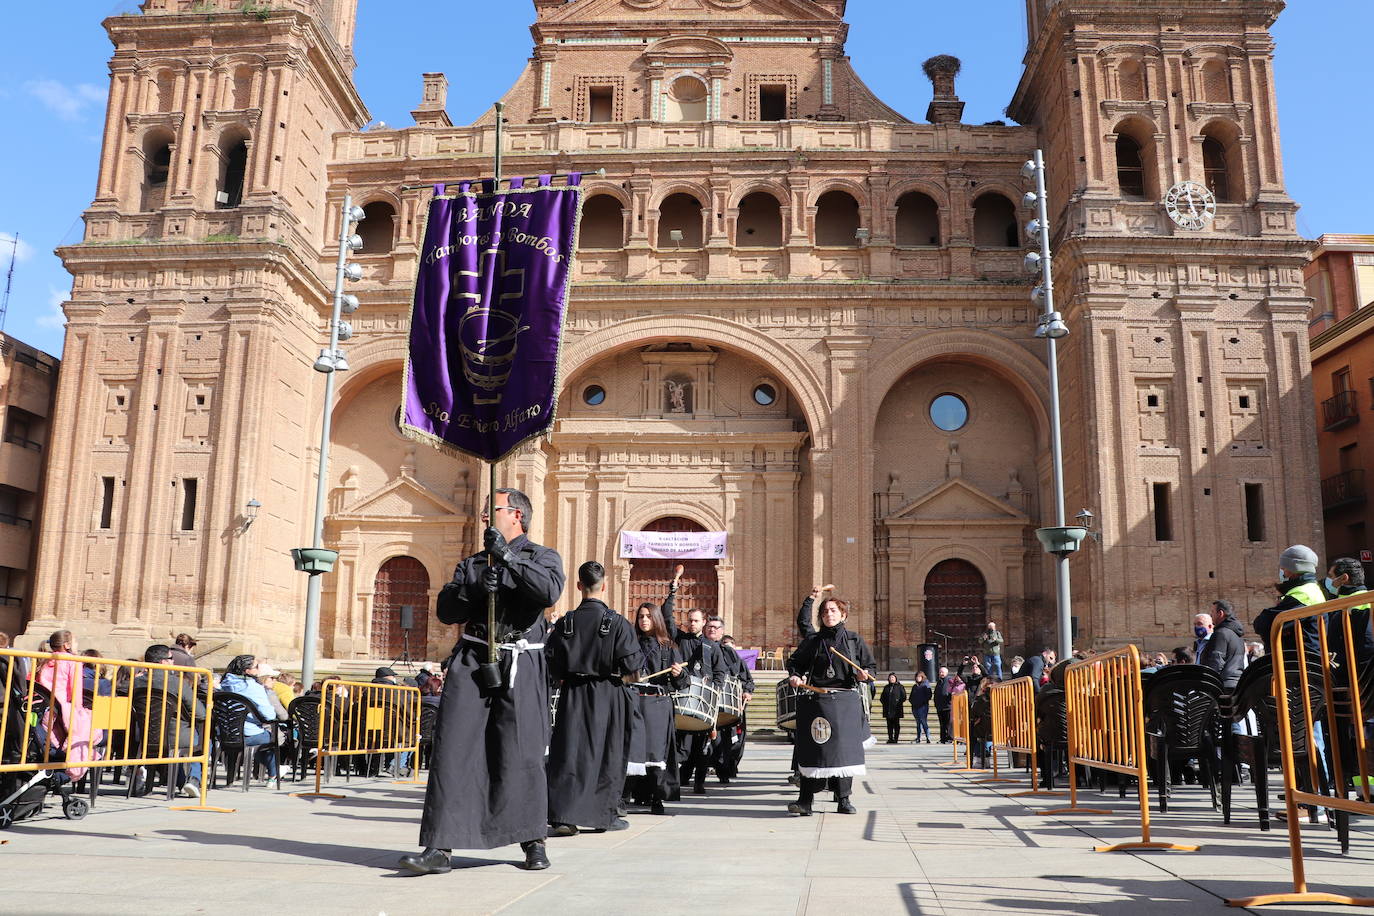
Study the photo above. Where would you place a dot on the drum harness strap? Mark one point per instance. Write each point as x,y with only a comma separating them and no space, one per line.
602,632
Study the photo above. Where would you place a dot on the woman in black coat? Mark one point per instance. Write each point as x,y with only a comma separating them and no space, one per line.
894,707
921,694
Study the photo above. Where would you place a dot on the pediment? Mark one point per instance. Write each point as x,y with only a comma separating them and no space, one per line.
403,497
715,10
959,500
689,46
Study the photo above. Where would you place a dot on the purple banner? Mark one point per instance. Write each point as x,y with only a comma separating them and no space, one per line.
487,330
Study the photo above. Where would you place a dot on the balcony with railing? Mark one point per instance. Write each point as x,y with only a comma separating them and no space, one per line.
1344,489
1340,411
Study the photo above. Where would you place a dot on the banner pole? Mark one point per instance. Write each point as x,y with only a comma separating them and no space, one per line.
492,653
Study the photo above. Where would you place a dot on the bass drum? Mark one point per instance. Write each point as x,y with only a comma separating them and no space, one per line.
695,708
787,705
731,703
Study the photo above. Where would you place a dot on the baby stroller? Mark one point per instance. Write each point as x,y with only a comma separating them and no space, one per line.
23,794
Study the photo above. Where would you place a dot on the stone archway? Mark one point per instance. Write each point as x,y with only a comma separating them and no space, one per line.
699,589
401,582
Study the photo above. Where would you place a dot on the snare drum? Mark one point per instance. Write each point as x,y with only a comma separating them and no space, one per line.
695,708
731,702
787,705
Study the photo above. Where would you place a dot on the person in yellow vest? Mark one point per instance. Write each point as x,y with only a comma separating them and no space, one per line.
1346,577
1297,588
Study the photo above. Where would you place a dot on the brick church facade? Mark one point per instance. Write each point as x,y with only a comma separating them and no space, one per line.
798,317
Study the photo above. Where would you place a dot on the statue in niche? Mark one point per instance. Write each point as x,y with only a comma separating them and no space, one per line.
679,396
954,466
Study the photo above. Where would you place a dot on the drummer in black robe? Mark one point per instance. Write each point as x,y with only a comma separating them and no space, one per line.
728,749
657,652
487,786
703,660
590,652
831,733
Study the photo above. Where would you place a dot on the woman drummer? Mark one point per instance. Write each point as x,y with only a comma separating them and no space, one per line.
657,651
830,734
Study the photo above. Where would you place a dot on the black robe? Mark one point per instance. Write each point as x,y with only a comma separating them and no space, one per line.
589,651
486,785
729,745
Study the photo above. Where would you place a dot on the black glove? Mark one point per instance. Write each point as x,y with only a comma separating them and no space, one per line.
491,579
495,545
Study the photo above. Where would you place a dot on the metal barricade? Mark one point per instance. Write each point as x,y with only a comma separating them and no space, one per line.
959,730
1107,732
1349,704
133,714
1013,729
361,719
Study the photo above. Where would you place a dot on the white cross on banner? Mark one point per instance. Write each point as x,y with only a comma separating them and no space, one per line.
672,545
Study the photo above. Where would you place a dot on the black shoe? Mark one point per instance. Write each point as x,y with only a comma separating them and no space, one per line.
430,862
699,789
846,808
799,809
618,824
657,808
724,780
563,830
536,858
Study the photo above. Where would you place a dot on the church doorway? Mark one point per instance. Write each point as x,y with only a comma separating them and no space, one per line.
400,582
956,609
649,579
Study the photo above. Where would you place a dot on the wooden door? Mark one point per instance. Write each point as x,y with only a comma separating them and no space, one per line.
400,581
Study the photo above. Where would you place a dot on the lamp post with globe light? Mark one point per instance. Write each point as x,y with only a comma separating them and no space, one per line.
1061,540
316,559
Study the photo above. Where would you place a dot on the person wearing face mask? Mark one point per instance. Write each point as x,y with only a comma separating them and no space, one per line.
1346,577
1297,587
1202,632
1224,652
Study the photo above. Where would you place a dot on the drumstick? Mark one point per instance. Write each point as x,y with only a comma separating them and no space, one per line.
677,575
828,588
862,671
650,677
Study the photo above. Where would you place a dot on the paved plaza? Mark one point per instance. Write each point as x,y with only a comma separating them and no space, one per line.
925,841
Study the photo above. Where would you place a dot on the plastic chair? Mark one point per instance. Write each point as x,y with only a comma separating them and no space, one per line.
1181,714
304,715
429,721
153,721
231,714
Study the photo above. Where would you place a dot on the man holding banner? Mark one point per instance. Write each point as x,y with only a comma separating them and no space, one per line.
481,380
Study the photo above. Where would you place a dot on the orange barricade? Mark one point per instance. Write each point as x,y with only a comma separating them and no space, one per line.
1013,729
1349,704
133,714
1107,732
359,719
959,730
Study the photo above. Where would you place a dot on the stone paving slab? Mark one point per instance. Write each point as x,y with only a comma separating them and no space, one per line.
927,840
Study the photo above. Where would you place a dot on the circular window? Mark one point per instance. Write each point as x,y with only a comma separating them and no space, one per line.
949,412
594,395
765,394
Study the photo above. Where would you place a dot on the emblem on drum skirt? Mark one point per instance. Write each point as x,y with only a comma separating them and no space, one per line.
821,730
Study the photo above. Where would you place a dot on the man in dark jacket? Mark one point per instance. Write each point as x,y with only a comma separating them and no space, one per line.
728,750
943,699
1224,650
894,707
1297,588
177,702
1037,667
1346,577
487,786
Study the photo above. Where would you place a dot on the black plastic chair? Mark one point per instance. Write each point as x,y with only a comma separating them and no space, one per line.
304,715
1052,733
1181,715
152,724
980,726
232,713
429,722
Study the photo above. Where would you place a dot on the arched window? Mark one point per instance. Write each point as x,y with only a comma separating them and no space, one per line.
837,220
166,90
157,165
1131,76
918,220
685,100
760,222
994,222
243,89
1216,167
603,223
1216,81
1130,167
378,229
680,213
233,150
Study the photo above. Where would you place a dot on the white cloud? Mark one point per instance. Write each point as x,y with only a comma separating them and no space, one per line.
67,102
23,253
53,317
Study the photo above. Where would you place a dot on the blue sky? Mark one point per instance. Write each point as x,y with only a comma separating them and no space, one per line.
53,80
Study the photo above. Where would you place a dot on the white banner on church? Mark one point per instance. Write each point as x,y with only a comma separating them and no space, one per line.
672,545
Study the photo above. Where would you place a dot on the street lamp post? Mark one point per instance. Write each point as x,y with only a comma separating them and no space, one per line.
1061,540
316,560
